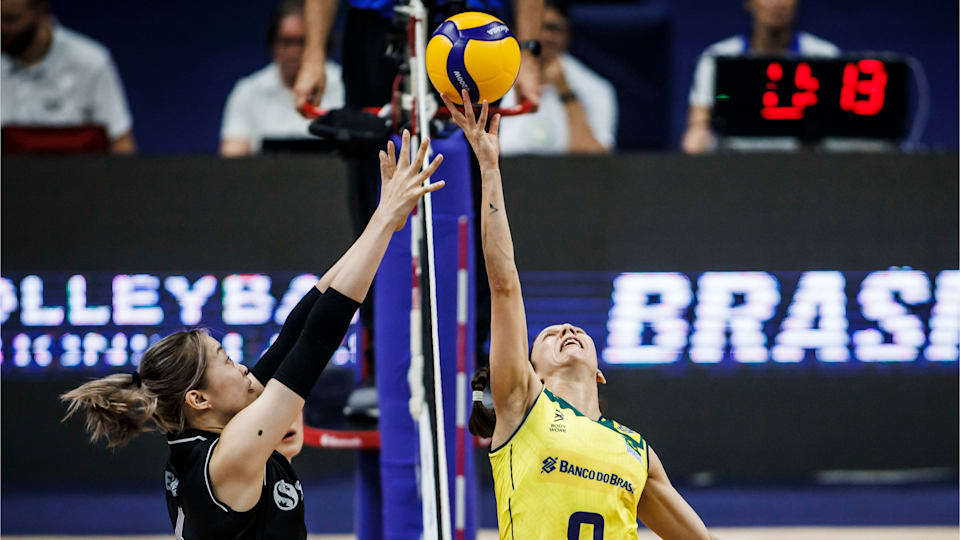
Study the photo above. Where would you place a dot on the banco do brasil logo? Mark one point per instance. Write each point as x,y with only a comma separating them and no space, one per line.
551,464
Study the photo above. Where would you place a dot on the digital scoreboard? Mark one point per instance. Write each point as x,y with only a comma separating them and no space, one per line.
811,98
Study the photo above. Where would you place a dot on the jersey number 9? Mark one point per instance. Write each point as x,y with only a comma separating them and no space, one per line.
584,518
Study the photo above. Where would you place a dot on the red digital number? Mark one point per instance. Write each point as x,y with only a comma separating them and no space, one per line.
874,88
805,96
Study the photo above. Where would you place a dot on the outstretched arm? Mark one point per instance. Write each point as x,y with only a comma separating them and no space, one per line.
312,80
513,383
267,365
248,439
664,511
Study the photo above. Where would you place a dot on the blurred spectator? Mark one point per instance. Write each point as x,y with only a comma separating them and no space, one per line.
261,105
771,33
578,108
55,77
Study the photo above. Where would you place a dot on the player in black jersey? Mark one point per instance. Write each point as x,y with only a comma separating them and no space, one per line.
224,478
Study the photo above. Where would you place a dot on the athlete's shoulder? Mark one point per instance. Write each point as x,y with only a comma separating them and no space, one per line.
534,411
626,432
185,479
190,490
190,440
559,402
189,454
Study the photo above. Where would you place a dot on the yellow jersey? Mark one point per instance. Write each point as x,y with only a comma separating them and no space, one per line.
563,476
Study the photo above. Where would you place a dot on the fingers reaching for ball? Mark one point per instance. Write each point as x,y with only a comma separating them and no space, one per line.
403,181
388,163
485,143
495,126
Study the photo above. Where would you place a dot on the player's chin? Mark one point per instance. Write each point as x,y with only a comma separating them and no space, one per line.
579,356
570,355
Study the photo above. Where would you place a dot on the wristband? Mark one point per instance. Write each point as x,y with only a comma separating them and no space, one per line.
531,45
568,97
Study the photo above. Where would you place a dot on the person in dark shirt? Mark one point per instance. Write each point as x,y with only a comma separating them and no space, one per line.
225,478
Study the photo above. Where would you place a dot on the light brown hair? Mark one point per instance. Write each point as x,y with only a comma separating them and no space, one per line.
119,407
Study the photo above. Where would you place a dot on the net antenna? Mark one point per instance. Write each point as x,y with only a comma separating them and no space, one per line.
415,105
434,486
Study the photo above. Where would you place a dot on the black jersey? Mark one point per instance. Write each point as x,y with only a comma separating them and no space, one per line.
197,514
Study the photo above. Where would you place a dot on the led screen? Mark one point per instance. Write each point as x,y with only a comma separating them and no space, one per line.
103,322
817,318
826,319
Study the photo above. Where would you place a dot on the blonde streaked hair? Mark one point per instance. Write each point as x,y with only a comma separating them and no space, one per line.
121,406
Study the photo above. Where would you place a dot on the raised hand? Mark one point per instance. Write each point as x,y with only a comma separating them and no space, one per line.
310,84
528,81
401,181
485,144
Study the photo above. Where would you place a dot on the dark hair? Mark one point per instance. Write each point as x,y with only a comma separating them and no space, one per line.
285,8
482,418
563,6
120,406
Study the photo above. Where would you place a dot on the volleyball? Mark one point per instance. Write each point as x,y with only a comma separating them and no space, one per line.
473,51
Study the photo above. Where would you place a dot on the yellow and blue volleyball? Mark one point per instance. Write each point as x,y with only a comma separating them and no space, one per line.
475,51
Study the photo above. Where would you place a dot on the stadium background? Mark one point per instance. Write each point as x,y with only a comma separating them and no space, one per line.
748,445
179,63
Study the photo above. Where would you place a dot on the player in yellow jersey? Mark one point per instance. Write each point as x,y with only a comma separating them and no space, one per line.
561,470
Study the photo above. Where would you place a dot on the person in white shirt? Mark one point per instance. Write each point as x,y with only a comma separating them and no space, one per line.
772,34
261,105
53,76
578,108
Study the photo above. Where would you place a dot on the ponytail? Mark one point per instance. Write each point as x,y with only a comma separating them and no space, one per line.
117,408
482,419
120,406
